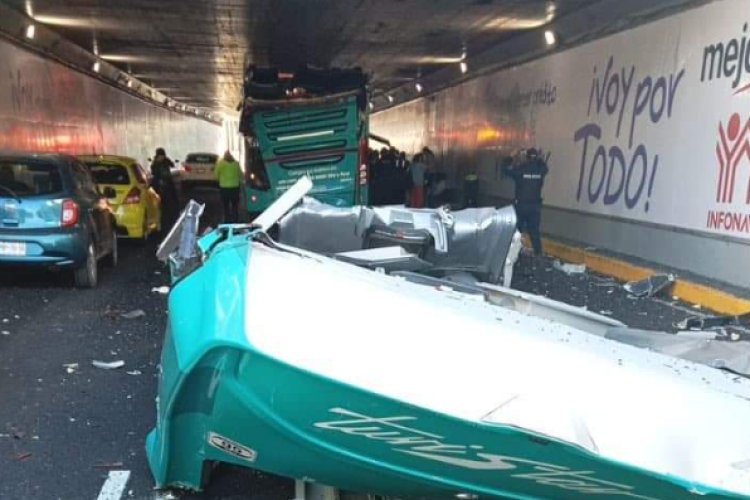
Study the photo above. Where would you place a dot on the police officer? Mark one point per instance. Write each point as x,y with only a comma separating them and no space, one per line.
528,176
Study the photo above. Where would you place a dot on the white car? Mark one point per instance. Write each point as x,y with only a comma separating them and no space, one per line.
198,168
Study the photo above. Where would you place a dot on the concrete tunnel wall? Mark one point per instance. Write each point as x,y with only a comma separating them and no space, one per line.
648,133
45,106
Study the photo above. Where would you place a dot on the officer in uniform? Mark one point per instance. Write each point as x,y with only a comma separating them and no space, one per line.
528,176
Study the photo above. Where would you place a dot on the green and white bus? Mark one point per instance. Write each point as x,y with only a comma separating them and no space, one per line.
322,136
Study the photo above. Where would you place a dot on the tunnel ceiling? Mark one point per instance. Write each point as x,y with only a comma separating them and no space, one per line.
194,51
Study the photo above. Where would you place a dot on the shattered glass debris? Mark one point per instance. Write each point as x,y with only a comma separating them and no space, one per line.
649,286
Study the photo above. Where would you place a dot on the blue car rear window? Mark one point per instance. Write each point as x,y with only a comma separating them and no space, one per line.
108,173
21,178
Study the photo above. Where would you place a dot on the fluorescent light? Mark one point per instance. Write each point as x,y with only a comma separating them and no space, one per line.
390,98
464,66
96,67
549,37
418,86
30,31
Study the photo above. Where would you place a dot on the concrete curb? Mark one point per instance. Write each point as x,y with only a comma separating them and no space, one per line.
708,297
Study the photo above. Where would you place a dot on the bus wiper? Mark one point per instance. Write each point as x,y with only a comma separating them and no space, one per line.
12,193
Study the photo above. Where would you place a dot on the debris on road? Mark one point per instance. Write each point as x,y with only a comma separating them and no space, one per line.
71,367
136,313
162,290
568,268
5,332
713,322
23,456
605,282
113,365
108,465
135,372
650,286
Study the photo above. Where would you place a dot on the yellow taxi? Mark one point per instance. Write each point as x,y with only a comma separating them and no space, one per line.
125,183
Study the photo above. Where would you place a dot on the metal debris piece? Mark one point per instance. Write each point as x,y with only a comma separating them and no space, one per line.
475,240
713,322
71,367
137,313
5,332
112,365
134,372
23,456
649,286
108,465
569,269
162,290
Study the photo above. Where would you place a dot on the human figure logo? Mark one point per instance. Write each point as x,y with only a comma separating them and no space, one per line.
733,147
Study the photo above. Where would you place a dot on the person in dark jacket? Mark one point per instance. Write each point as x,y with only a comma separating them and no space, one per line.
528,176
161,181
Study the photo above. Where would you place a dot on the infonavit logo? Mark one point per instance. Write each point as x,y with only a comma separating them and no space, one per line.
732,151
729,59
733,147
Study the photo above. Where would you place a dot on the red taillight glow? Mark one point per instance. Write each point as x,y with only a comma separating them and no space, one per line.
70,213
133,196
187,168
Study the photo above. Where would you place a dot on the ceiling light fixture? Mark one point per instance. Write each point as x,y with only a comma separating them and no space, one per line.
30,31
130,84
550,37
464,67
371,105
96,67
419,87
390,98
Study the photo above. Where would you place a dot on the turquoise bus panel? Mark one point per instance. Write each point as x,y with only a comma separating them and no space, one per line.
220,399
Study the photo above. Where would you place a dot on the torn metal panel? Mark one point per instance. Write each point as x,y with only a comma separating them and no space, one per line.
699,347
542,307
388,259
476,240
445,389
436,392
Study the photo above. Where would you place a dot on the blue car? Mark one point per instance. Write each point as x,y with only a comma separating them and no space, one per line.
52,215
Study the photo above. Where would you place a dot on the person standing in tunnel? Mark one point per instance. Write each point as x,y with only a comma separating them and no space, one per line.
229,174
161,181
417,171
528,176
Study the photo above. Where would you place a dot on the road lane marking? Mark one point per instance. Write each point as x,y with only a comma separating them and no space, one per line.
114,486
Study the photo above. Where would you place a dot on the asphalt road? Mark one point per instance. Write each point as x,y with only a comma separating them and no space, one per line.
63,428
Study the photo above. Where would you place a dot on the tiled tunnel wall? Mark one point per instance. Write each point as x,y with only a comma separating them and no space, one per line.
45,106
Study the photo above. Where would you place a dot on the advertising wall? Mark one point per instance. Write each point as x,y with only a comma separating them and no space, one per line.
45,106
648,125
